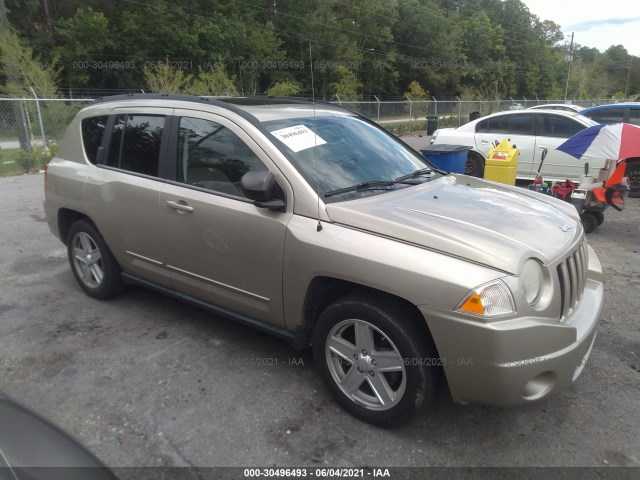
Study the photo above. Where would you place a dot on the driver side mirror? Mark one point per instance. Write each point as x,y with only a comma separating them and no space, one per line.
262,188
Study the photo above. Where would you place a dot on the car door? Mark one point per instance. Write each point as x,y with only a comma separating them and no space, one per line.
122,194
551,131
220,247
518,128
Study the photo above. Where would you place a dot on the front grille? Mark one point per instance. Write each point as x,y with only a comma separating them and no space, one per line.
572,276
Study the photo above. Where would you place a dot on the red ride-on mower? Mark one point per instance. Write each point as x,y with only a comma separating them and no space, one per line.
594,195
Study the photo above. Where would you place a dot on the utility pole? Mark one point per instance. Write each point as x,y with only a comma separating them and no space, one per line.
626,87
569,59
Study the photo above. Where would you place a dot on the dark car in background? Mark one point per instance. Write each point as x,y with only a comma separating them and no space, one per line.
615,113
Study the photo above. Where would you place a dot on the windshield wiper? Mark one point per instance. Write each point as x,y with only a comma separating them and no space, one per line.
370,185
419,173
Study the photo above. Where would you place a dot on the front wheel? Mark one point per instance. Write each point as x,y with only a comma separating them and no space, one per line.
375,360
92,264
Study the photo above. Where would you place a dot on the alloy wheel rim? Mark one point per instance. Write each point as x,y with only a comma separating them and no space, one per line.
365,364
87,260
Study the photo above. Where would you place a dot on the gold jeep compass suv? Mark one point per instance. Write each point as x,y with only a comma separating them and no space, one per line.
310,222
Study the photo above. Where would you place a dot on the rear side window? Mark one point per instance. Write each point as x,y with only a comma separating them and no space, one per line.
92,131
557,126
514,124
135,143
607,115
634,116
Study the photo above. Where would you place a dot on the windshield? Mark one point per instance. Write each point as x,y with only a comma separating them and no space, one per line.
348,151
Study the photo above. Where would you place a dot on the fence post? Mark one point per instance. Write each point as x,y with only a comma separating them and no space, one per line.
44,139
410,109
459,110
435,108
339,101
378,100
25,129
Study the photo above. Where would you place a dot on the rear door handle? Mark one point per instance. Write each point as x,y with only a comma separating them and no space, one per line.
180,205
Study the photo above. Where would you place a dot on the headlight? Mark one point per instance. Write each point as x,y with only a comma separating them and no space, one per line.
532,278
492,299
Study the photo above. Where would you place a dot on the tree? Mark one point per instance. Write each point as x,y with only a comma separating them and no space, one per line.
347,86
285,89
24,74
83,40
163,78
212,82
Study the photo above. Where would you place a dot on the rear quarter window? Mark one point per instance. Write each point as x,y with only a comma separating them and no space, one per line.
93,129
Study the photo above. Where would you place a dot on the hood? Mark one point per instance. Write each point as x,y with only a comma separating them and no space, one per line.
484,222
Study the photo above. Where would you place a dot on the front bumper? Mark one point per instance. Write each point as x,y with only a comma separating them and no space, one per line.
520,360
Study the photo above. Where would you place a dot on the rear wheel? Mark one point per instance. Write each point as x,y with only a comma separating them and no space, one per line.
599,217
633,173
375,360
589,222
475,165
92,264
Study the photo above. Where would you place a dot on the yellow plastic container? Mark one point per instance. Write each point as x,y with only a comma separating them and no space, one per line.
501,163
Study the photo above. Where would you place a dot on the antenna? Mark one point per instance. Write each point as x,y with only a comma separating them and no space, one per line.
315,139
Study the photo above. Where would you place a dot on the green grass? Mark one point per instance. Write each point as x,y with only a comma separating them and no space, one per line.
8,165
10,161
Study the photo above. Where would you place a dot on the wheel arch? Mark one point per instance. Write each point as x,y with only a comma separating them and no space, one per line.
66,218
323,291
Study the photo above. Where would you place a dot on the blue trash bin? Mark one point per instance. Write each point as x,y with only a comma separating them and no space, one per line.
451,158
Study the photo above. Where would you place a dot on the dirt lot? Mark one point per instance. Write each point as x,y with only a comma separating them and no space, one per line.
144,380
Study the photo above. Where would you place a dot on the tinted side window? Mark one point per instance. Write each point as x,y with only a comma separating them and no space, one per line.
92,131
607,115
562,127
634,116
212,156
135,143
510,124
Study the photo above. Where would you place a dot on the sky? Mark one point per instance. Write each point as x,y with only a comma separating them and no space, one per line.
598,24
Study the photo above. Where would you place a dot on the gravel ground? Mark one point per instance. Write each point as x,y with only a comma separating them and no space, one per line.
144,380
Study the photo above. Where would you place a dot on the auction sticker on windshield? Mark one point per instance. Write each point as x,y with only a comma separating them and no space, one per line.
298,138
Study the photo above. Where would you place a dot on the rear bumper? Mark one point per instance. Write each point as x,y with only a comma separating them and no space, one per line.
520,360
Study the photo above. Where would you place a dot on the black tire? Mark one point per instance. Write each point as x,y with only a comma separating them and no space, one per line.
475,165
599,217
92,264
633,173
396,343
589,222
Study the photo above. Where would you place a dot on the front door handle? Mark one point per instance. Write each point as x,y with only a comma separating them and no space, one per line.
180,205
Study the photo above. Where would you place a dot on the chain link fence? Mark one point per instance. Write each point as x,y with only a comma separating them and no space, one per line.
35,126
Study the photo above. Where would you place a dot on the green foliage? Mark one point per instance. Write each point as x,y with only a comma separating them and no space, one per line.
84,38
347,85
27,161
487,48
163,78
24,72
416,92
213,82
284,89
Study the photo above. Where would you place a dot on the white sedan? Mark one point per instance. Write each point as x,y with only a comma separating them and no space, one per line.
565,107
532,132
